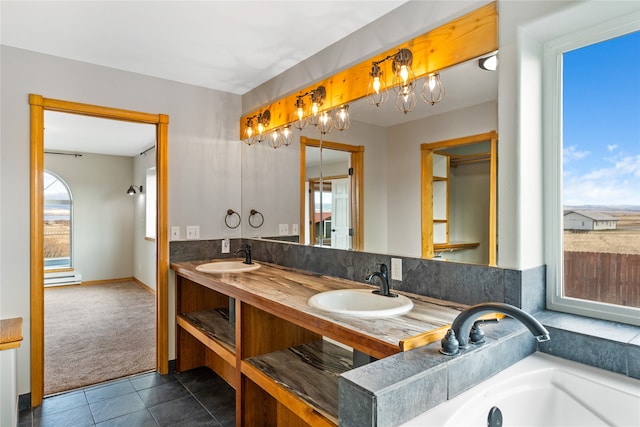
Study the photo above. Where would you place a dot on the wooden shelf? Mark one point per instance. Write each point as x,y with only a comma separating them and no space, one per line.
213,329
303,378
454,246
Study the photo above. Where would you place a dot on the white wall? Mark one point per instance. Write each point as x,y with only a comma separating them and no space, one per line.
144,251
204,157
103,214
404,168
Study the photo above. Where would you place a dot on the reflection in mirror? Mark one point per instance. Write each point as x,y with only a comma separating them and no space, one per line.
459,199
331,217
391,200
328,212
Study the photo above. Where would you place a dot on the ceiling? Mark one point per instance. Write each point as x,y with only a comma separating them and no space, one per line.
226,45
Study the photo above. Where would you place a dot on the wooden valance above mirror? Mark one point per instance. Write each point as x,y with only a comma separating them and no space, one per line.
469,36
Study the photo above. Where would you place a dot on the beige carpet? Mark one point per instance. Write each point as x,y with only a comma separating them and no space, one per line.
94,333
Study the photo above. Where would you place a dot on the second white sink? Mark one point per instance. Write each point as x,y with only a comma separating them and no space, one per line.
227,267
360,303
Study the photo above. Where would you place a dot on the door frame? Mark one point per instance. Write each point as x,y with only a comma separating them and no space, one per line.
357,185
38,105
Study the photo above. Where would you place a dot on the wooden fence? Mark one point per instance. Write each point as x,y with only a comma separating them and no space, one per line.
609,278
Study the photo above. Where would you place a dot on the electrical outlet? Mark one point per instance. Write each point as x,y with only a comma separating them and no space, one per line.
225,246
193,232
284,229
396,269
175,233
294,229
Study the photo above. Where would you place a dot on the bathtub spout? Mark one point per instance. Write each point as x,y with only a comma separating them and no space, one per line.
462,324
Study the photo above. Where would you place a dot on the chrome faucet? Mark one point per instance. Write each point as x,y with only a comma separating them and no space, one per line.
458,336
247,254
383,274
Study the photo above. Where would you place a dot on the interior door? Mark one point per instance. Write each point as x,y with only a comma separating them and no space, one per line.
340,214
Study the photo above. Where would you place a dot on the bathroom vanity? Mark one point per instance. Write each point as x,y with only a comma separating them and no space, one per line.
282,356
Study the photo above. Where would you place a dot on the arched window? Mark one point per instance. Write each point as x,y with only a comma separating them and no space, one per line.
58,223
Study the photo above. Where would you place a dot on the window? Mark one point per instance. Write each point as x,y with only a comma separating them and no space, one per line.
58,223
595,148
150,203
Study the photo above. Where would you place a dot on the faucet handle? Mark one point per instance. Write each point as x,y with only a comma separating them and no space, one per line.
476,336
450,344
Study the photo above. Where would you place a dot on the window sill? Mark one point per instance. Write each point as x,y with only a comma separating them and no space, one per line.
604,344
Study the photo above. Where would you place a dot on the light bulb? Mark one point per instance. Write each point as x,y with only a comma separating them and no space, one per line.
404,74
300,113
376,84
314,108
286,136
432,82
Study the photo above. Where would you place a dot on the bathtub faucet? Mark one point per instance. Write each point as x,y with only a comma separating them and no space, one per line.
458,336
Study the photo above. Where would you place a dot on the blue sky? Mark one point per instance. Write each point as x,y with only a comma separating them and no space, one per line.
601,128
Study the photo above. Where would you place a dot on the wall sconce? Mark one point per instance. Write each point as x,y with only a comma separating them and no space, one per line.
432,90
131,191
317,97
258,134
281,136
404,81
376,91
341,119
325,121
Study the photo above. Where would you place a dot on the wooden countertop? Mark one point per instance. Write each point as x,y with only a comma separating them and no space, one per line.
284,292
10,333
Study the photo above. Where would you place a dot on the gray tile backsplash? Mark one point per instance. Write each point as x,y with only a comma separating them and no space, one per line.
464,283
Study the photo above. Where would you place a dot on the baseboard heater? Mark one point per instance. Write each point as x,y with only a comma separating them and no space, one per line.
62,278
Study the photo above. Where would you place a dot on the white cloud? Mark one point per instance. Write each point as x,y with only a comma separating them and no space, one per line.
572,153
618,184
612,147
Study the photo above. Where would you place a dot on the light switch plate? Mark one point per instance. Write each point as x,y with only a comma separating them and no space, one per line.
284,229
294,229
396,269
225,246
175,233
193,232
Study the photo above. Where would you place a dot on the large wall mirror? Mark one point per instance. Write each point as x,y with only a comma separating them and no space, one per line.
391,165
311,193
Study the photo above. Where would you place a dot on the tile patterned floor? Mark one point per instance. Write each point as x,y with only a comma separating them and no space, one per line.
194,398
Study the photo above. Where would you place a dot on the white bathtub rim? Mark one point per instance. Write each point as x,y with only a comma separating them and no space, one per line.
537,371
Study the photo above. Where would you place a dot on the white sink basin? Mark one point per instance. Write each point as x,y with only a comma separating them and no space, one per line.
360,303
227,267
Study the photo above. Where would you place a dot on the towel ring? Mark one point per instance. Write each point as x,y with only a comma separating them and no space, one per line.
232,213
252,213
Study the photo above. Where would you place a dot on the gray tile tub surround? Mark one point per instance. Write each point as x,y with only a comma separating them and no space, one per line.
398,388
608,345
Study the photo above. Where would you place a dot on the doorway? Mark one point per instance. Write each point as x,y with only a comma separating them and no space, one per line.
38,105
351,220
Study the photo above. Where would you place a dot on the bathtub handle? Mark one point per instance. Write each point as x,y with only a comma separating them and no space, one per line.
476,336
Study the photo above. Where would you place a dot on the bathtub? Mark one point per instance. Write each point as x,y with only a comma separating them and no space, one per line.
542,390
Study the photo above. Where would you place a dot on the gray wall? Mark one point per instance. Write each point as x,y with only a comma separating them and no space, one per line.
204,157
103,214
